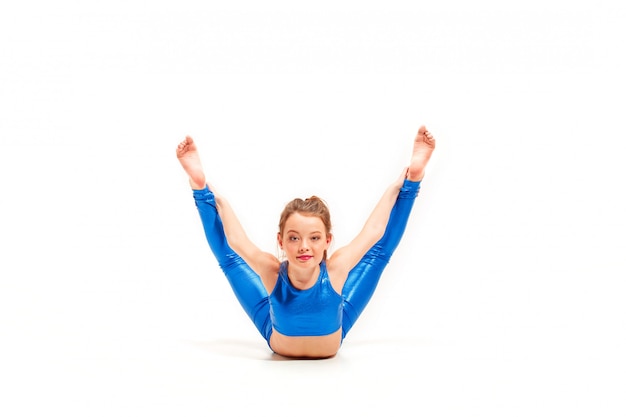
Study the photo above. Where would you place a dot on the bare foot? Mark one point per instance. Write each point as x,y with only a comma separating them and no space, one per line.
423,147
189,158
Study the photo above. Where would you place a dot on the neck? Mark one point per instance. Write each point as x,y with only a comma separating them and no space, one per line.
302,278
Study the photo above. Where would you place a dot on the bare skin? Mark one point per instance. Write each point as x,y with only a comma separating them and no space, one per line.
423,147
187,154
304,273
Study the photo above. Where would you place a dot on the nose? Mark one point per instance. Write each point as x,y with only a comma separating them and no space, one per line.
303,247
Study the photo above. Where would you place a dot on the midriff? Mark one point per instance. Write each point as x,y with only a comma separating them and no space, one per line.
313,347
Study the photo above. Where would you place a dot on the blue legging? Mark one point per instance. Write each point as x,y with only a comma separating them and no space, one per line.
360,284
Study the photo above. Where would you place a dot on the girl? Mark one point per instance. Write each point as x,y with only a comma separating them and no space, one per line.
305,305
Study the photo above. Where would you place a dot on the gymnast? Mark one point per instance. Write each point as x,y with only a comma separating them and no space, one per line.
305,305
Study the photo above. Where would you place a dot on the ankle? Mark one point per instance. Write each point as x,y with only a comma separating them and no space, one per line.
196,185
416,175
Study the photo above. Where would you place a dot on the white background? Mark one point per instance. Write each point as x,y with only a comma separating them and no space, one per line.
505,298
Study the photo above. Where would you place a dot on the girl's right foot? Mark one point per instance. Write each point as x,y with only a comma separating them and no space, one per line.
189,158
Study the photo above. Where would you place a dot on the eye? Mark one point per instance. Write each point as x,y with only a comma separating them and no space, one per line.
316,238
293,238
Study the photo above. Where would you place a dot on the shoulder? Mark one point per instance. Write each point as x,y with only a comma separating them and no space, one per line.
337,271
269,268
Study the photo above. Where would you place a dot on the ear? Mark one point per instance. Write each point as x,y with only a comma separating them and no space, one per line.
279,239
329,238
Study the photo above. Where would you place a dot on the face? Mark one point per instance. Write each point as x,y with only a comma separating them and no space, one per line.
304,240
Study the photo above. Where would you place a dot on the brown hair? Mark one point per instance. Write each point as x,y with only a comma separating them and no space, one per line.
312,206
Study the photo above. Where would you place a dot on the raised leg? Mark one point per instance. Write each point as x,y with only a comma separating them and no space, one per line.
363,279
246,284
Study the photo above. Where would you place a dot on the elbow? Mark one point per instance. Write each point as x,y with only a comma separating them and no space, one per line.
378,232
234,243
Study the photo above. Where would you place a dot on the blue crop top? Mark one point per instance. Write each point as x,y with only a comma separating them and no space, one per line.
316,311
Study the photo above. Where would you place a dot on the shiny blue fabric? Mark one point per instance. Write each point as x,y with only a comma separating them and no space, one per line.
315,311
363,278
358,289
245,283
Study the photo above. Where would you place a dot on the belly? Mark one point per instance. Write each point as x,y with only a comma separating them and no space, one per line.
313,347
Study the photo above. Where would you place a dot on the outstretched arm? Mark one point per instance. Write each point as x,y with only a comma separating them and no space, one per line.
264,264
344,259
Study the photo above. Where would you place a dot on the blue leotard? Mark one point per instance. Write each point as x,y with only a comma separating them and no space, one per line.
316,311
356,293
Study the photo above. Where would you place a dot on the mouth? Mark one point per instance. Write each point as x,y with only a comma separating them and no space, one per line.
304,258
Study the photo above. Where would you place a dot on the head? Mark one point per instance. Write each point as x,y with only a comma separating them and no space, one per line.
304,230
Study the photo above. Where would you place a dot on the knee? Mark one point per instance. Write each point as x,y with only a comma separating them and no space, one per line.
233,264
377,255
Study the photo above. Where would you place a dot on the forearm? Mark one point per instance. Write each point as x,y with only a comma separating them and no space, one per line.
379,217
235,234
